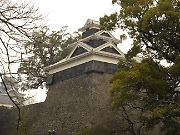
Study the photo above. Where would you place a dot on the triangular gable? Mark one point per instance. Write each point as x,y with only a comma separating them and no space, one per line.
110,48
105,34
99,35
80,48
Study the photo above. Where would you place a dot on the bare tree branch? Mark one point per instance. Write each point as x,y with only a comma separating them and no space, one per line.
17,23
19,112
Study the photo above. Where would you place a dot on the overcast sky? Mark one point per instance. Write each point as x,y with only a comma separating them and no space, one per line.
74,14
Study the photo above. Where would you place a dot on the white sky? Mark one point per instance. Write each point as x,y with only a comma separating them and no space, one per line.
74,14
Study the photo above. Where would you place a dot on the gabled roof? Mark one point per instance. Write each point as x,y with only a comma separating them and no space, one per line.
100,48
90,23
98,35
90,51
80,44
83,51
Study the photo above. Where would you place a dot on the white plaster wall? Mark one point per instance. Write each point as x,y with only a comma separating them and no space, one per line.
82,60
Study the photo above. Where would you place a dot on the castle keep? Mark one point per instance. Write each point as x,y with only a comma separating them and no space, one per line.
78,95
78,85
96,52
78,102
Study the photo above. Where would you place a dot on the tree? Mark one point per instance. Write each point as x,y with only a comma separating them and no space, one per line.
45,49
17,21
146,94
153,24
148,87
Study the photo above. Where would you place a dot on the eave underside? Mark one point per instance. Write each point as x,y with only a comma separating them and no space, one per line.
85,68
83,58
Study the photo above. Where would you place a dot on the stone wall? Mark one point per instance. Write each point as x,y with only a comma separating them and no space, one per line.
71,105
75,104
8,121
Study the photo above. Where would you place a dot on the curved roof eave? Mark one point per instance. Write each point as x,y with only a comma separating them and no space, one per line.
106,54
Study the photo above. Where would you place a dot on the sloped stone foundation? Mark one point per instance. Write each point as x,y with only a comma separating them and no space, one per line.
75,104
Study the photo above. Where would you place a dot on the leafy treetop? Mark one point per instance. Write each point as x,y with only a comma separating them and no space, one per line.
148,89
45,49
153,24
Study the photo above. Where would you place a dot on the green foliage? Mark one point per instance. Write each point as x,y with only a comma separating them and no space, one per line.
150,88
45,49
152,24
147,87
133,52
109,22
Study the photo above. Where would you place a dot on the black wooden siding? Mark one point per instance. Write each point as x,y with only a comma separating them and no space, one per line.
105,34
95,42
88,67
89,31
79,50
111,50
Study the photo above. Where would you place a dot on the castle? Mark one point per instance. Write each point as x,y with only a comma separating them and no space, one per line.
97,51
78,96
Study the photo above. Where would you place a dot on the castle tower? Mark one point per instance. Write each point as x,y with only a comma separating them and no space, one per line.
78,98
97,51
78,85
